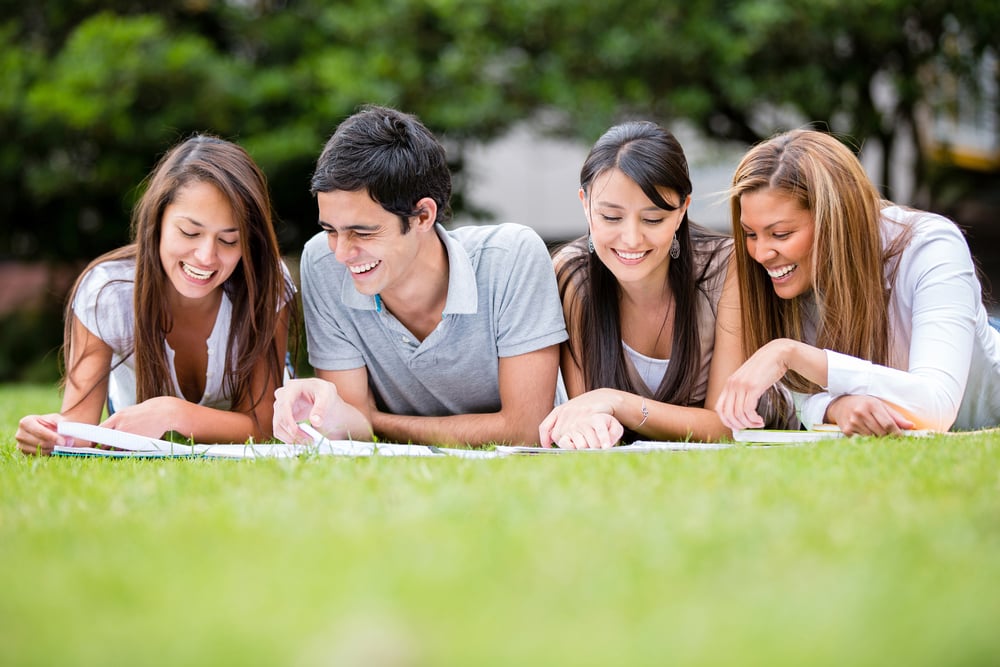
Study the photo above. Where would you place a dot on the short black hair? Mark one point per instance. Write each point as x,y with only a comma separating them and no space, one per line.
392,156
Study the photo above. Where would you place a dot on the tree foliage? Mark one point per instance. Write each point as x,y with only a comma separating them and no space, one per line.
92,93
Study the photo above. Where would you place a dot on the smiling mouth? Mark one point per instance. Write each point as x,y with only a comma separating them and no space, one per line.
363,268
197,274
632,255
782,271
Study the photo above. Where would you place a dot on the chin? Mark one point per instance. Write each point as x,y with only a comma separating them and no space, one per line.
789,292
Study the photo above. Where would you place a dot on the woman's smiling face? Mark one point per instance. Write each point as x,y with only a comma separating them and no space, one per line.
199,240
631,234
779,236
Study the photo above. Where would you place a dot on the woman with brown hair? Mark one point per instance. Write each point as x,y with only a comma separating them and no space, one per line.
649,298
184,329
870,313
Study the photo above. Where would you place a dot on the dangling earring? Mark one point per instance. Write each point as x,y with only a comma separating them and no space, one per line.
675,248
590,244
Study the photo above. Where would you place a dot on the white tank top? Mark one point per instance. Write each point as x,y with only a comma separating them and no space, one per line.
650,370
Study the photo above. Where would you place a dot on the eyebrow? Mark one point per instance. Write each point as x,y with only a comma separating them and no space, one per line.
608,204
363,228
766,227
202,225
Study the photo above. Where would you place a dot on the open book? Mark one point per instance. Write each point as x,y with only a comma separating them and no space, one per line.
130,445
766,436
633,448
126,444
763,436
136,446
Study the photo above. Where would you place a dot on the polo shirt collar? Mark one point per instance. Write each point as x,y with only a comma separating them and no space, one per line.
463,292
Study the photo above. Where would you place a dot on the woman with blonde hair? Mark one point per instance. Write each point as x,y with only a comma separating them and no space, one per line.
184,329
649,298
870,313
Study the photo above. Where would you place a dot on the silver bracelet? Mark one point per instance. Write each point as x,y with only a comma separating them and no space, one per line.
645,416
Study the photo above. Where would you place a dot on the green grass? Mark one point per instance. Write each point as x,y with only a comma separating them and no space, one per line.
862,552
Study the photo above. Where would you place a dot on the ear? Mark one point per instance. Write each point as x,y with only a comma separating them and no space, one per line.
426,216
684,206
586,208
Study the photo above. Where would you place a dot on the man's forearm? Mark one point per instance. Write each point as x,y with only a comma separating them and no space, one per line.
472,429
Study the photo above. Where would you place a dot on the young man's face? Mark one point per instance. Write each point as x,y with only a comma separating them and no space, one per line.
367,239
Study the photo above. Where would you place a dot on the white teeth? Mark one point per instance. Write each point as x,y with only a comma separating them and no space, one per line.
783,271
361,268
630,255
196,273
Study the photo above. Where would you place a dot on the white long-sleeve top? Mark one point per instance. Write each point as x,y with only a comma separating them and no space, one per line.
944,367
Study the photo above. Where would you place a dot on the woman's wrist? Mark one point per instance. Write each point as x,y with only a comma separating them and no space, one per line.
645,415
808,361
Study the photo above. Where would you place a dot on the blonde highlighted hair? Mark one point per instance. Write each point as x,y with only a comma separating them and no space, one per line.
850,281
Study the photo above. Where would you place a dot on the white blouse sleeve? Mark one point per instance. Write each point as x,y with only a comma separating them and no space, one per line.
937,286
103,303
811,408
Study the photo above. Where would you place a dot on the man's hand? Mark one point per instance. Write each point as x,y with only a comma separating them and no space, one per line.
315,401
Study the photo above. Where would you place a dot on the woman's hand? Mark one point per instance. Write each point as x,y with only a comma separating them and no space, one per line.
36,434
151,418
865,415
584,422
737,404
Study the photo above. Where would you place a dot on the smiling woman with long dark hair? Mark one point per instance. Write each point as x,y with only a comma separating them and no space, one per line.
184,329
650,303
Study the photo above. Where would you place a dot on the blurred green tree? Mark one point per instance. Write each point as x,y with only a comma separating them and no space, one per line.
91,95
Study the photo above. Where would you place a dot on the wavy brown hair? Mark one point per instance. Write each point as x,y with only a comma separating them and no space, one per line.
850,279
257,287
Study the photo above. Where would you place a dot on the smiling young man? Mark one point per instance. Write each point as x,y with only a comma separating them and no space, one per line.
417,333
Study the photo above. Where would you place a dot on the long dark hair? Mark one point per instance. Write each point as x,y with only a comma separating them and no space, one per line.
257,287
653,158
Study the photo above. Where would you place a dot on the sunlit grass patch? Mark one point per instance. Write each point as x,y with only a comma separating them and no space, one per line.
868,551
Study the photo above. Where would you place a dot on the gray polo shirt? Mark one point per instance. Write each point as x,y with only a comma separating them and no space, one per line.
502,302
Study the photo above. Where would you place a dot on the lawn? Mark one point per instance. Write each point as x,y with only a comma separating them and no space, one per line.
861,552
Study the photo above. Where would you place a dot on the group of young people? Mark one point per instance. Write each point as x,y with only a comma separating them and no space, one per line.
827,304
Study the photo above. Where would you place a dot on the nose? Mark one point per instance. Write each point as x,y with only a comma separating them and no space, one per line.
205,251
632,234
760,250
341,247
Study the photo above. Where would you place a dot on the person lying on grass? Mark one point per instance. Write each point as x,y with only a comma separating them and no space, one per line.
184,329
871,313
649,298
417,333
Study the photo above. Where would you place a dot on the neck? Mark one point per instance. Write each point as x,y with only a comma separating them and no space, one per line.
180,304
648,294
423,291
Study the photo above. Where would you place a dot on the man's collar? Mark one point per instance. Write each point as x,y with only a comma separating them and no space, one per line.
463,293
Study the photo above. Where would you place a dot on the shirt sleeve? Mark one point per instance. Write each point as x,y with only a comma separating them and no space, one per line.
530,315
103,304
937,280
811,408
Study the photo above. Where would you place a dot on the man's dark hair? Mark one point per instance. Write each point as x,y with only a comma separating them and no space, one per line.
392,156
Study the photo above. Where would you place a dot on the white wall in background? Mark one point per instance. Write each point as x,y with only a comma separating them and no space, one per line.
533,180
